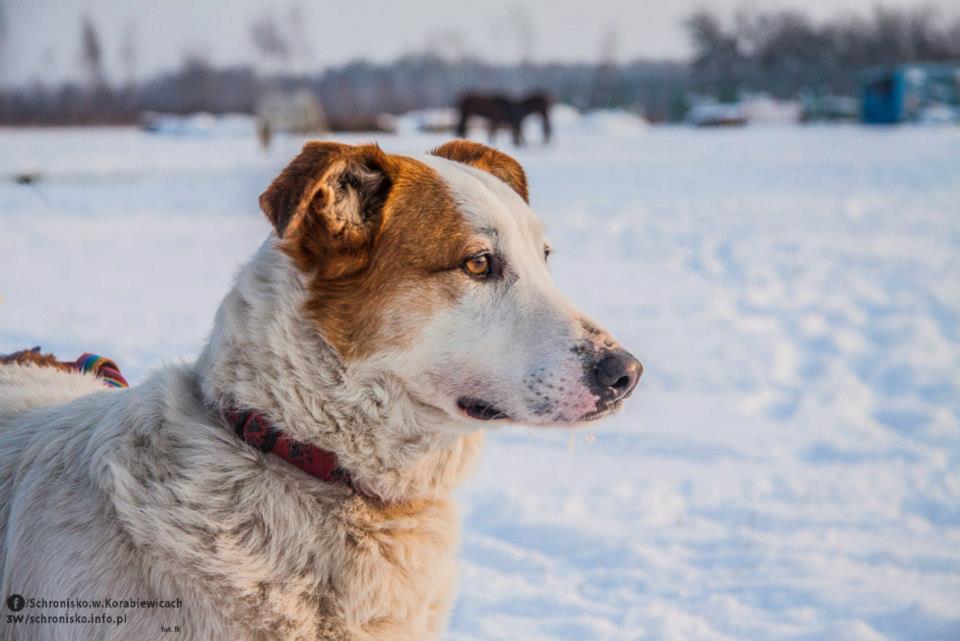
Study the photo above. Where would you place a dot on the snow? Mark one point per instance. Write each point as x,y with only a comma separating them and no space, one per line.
789,467
610,122
412,122
716,113
765,110
199,124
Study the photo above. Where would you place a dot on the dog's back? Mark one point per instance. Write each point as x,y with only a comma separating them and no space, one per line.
28,386
62,437
27,393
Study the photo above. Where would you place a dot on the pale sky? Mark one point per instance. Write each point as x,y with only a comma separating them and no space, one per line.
43,36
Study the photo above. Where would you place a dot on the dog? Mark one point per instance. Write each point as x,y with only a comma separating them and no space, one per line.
294,482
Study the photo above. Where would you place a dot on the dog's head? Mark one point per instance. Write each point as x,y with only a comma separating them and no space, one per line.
434,271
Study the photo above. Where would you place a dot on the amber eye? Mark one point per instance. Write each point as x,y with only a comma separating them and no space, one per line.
478,266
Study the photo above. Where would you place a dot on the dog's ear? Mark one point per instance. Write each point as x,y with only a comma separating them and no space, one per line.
487,159
327,206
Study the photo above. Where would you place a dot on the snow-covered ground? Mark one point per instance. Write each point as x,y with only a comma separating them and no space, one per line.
789,467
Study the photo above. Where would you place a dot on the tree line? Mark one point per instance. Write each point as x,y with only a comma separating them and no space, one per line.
785,52
778,52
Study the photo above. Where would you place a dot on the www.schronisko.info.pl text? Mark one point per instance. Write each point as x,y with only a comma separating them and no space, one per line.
75,611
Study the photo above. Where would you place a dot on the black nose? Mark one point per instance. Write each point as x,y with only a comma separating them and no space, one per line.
615,375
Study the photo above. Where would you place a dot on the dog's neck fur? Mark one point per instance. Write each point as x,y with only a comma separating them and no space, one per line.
265,354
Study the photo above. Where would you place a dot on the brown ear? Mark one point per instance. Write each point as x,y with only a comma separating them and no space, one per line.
487,159
327,205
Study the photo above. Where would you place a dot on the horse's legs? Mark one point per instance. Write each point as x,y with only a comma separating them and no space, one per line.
492,126
462,125
545,115
516,127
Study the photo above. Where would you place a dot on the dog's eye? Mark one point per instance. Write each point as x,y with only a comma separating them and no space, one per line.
546,252
478,266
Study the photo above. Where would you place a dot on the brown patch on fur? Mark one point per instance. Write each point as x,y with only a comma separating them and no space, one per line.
35,357
380,235
326,206
487,159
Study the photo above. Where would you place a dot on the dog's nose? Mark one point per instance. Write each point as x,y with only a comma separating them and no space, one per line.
615,375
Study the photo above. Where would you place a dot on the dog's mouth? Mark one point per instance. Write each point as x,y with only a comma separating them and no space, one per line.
604,409
480,410
483,411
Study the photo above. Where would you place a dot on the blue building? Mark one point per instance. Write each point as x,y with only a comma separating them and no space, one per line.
911,93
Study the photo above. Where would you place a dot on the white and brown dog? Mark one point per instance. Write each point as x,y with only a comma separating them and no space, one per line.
402,305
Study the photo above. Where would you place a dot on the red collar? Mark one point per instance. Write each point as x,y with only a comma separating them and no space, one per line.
254,428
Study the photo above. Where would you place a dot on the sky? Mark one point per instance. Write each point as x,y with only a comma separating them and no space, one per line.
141,37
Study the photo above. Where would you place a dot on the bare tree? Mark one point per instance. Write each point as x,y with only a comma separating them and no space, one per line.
716,54
605,90
447,44
609,44
516,29
269,40
197,87
3,25
4,37
524,31
300,43
91,54
128,56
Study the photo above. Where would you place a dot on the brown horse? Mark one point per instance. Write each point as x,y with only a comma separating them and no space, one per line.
502,111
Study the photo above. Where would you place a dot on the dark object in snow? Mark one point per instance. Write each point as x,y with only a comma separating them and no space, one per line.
503,111
26,178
